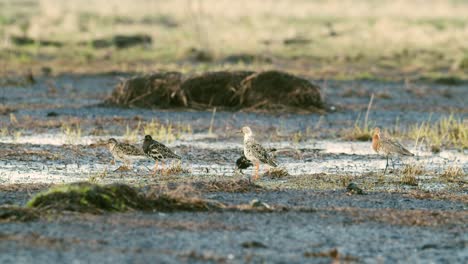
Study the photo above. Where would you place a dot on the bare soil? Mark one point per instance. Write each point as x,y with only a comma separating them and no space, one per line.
315,219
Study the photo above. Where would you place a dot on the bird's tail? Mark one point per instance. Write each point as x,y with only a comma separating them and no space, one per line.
273,163
406,152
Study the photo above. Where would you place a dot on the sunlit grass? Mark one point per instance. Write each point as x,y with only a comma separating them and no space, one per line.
453,174
448,131
72,132
341,32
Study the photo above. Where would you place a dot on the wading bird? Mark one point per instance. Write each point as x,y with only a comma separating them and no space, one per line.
255,152
388,147
157,151
124,152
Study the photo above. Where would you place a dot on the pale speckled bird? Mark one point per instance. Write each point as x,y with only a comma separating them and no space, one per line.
388,147
255,152
124,152
157,151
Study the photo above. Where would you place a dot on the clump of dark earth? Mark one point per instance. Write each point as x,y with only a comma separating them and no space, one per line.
253,244
230,90
272,88
214,89
158,89
23,41
246,58
122,41
296,41
448,80
52,114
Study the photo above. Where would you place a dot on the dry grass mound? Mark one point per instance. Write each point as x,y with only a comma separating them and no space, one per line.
154,90
275,89
231,90
214,89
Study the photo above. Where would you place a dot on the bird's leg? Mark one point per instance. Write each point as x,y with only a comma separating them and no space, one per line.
122,168
155,170
257,166
393,164
386,166
128,165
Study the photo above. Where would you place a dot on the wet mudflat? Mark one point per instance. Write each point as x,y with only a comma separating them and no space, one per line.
407,215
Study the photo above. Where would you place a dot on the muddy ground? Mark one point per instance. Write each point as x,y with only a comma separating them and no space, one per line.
397,220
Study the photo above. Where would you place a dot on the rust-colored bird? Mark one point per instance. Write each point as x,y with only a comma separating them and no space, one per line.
388,147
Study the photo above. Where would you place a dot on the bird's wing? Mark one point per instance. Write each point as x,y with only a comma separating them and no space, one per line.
395,147
132,150
159,149
263,155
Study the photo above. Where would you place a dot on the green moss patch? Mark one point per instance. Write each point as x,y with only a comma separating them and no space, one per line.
87,197
93,198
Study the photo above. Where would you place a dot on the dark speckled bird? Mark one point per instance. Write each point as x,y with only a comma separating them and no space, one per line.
124,152
243,163
157,151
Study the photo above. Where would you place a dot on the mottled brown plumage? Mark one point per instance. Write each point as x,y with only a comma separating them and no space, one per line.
387,146
124,152
255,152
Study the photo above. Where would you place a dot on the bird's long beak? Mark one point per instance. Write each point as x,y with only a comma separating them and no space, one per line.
239,132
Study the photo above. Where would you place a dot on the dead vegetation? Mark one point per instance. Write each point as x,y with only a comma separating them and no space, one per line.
232,90
453,174
277,173
333,254
175,169
409,173
17,214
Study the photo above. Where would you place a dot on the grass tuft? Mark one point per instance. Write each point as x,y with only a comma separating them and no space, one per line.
409,173
277,173
453,174
72,132
177,168
446,132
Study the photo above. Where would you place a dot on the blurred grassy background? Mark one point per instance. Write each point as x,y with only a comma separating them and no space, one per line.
322,39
